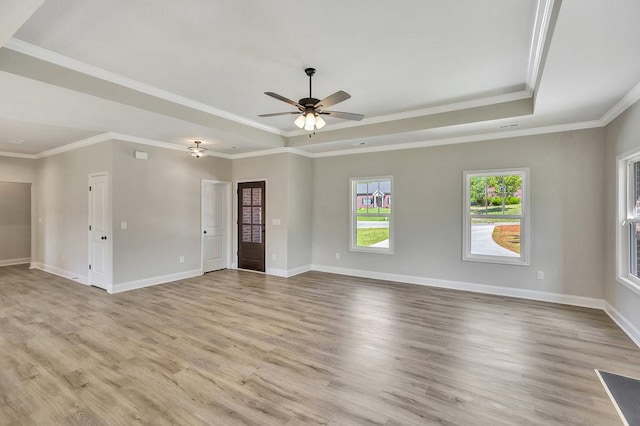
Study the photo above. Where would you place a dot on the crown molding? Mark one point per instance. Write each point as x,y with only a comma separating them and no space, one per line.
18,155
290,150
469,138
159,144
283,150
621,106
538,40
75,65
103,137
456,106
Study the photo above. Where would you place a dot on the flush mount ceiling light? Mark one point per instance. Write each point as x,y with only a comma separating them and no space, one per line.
197,151
311,109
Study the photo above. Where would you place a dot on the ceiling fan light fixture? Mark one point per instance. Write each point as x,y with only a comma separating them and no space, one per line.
320,122
299,121
309,121
197,151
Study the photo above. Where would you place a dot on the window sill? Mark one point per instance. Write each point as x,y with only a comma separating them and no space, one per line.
371,250
495,259
629,284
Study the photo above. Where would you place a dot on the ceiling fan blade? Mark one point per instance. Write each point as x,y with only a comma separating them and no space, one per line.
336,98
283,99
344,115
279,113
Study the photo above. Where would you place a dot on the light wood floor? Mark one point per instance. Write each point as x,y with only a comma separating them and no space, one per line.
235,347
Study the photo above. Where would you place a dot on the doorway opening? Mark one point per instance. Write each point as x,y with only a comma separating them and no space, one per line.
15,223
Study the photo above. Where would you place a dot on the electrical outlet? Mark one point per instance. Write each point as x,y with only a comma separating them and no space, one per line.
541,275
181,259
337,255
123,225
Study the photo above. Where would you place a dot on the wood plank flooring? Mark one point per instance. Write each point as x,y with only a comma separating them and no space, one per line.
235,347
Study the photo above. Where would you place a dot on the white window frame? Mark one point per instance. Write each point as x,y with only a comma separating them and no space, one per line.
525,230
625,215
353,242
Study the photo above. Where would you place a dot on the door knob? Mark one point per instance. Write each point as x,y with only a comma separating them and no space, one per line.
205,232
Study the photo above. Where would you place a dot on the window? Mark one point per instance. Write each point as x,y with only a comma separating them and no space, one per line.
496,216
628,231
371,215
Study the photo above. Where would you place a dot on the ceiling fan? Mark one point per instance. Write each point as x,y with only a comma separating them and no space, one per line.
311,109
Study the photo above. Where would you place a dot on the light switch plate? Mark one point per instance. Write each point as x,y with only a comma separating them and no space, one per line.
123,225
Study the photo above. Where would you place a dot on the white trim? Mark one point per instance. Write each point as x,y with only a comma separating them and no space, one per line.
151,281
19,261
613,401
557,128
272,151
229,227
621,106
60,272
274,271
565,299
538,39
72,64
623,203
159,144
627,326
287,273
103,137
628,100
18,155
299,270
437,109
525,228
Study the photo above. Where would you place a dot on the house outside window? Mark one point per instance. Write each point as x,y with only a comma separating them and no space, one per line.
496,216
371,224
628,229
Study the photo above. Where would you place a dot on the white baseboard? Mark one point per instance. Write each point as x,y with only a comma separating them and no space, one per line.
626,325
276,272
9,262
161,279
286,273
565,299
60,272
298,271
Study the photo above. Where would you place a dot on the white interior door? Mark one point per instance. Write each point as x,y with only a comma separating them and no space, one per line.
99,231
214,226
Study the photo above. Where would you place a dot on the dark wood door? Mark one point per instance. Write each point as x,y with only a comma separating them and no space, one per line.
251,226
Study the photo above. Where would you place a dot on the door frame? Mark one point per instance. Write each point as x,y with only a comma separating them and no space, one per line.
228,226
234,265
109,283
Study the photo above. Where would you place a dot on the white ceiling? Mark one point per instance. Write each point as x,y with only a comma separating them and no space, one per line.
411,58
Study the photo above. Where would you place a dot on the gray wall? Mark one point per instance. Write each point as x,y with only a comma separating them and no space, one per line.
64,207
567,211
275,170
15,221
623,135
160,199
299,233
24,170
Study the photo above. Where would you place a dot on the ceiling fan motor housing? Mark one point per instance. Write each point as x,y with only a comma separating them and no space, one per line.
308,101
